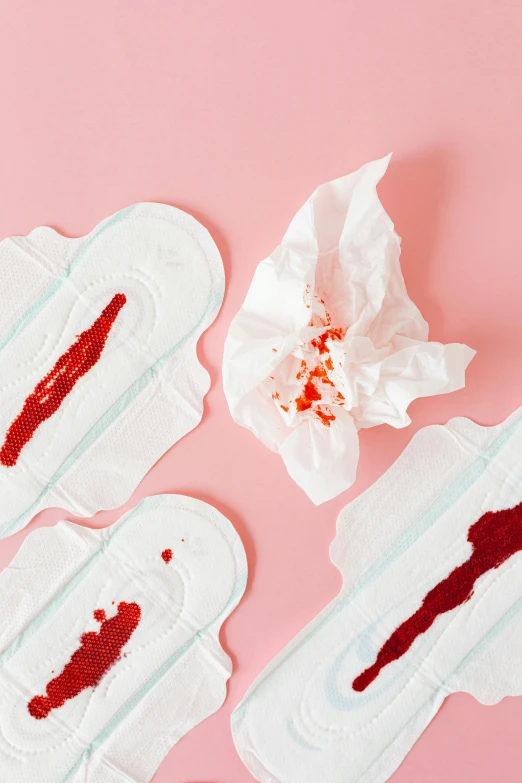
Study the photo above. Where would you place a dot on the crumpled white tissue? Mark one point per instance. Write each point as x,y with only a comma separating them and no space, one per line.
411,533
328,342
183,565
146,389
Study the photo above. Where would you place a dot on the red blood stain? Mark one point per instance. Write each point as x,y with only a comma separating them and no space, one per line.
302,371
309,395
332,334
312,391
320,372
51,391
496,537
315,377
97,653
99,615
326,418
167,555
317,319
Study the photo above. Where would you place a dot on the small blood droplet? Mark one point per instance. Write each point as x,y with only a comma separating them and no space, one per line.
167,555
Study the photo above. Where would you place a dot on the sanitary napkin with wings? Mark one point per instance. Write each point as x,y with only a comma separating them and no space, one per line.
431,557
98,368
328,342
109,641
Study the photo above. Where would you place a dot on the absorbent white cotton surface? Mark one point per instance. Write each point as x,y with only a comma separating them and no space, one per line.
431,558
98,368
328,342
109,641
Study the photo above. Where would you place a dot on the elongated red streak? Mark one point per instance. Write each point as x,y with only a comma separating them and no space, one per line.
496,537
51,391
98,651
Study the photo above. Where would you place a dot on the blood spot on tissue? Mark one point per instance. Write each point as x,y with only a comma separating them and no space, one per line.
97,653
318,393
99,615
320,372
167,555
495,538
51,391
274,350
309,395
326,418
312,392
319,342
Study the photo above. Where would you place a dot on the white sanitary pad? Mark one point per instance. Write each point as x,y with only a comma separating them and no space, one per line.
328,342
100,333
419,541
171,570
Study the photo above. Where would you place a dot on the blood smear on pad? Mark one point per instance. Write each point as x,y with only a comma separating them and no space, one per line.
97,653
495,538
51,391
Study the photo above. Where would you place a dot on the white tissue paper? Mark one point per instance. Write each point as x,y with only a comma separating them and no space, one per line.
328,341
98,368
109,641
431,604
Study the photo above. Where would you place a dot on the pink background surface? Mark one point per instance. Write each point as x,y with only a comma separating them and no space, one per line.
236,111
